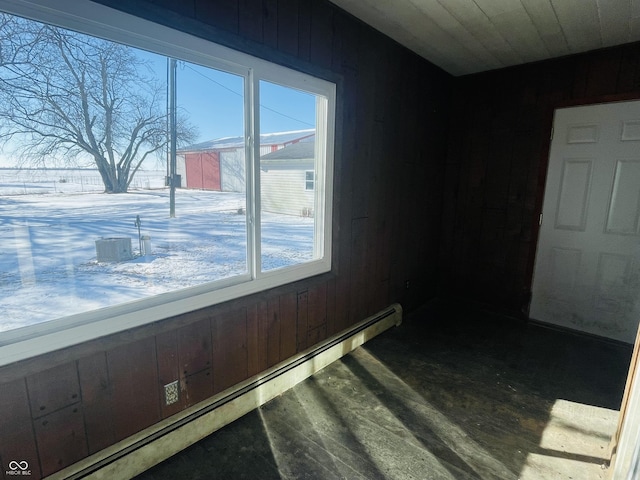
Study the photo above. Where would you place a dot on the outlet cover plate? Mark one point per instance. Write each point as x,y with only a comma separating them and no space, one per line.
171,393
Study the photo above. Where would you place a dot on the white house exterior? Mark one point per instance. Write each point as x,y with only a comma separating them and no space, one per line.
287,179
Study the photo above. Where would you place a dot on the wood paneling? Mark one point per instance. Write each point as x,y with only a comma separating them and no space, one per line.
288,26
332,321
133,374
194,347
288,325
17,441
61,438
303,320
230,359
53,389
221,13
270,23
198,387
317,314
304,30
96,401
321,35
317,306
359,284
250,19
272,331
256,351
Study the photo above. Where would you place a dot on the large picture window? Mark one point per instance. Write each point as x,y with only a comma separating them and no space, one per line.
145,173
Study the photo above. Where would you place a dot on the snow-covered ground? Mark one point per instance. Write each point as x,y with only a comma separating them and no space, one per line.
48,266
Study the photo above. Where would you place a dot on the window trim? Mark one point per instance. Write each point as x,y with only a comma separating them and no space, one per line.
97,20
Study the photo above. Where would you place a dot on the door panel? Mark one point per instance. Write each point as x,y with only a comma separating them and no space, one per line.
630,130
623,211
582,133
587,270
611,281
571,213
565,265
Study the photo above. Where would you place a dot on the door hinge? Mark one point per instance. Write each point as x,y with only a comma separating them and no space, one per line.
552,130
540,220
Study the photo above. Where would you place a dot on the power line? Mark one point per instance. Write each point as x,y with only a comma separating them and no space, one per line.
242,96
287,116
212,80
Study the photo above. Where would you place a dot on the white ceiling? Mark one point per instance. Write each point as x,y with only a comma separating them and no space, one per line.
467,36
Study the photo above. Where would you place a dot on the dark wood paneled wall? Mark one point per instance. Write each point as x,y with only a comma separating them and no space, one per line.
500,125
390,157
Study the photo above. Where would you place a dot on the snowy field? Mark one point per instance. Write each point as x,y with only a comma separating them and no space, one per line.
48,263
67,180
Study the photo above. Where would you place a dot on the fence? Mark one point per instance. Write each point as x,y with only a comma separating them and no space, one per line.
39,181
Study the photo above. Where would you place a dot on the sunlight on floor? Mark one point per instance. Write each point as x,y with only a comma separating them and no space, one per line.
425,415
389,438
360,420
273,444
574,443
324,415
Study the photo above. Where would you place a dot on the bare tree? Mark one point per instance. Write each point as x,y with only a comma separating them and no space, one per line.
70,97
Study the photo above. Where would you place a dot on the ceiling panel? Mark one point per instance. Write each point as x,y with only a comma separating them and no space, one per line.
580,23
443,19
546,22
468,36
615,25
442,45
476,22
516,26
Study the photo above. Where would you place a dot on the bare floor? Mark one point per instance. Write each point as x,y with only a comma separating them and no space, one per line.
446,395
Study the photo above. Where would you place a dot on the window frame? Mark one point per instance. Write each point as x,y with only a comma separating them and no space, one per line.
98,20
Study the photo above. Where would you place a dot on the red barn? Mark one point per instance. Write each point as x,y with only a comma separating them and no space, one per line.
203,170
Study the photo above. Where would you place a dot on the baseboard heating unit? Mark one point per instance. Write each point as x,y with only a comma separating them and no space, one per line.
155,444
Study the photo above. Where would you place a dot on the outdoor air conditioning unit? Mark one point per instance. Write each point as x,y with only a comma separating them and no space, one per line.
116,249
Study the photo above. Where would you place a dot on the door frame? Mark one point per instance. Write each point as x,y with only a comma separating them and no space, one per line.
623,442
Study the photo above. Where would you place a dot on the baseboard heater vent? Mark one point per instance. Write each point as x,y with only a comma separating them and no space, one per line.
155,444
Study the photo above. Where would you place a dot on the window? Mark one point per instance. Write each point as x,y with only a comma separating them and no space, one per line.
163,184
308,180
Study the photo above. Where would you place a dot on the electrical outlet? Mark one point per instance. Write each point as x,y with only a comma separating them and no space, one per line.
407,285
171,393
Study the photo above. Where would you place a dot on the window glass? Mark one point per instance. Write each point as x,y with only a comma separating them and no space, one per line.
287,206
132,180
87,127
211,174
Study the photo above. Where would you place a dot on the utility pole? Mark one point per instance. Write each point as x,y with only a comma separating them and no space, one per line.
171,65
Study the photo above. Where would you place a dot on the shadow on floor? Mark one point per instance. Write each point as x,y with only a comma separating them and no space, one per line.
447,395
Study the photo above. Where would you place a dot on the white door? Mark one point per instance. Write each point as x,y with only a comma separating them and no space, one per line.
587,270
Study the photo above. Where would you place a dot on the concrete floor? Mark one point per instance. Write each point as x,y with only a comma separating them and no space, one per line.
444,396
